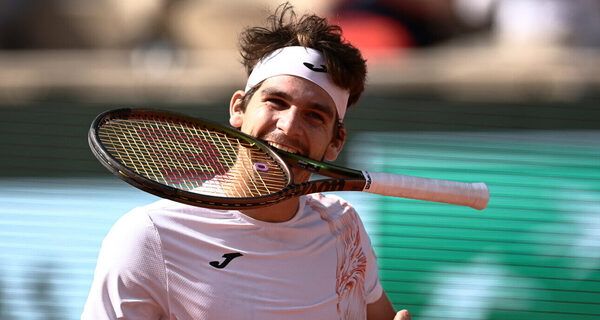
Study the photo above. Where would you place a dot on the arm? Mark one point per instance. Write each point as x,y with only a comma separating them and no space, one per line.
382,309
129,280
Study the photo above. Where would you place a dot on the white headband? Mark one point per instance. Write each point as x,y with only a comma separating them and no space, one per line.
302,62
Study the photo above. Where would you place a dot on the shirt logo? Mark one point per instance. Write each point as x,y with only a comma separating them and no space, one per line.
228,257
316,69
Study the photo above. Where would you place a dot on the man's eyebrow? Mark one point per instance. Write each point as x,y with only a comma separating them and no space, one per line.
284,95
276,92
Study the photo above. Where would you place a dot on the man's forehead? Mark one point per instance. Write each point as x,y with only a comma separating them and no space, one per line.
302,62
298,89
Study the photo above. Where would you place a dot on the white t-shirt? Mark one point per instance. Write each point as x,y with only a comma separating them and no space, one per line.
173,261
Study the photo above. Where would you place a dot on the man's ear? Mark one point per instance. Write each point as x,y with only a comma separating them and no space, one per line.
336,144
235,109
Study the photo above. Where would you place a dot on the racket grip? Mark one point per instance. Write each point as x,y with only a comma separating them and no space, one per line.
474,195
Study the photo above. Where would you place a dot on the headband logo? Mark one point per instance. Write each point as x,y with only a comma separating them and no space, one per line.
312,67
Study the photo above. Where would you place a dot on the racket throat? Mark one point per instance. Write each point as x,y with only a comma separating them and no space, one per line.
307,166
323,168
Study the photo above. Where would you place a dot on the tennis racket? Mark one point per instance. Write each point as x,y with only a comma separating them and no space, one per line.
205,164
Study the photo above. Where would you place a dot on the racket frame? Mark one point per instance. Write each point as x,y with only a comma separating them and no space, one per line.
340,178
176,194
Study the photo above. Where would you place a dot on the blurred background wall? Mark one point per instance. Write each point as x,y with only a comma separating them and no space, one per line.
500,91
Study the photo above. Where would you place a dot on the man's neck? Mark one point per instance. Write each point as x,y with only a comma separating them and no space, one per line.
280,212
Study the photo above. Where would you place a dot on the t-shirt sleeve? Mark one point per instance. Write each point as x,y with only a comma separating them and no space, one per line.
129,280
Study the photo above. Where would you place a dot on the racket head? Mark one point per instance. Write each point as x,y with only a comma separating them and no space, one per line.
188,160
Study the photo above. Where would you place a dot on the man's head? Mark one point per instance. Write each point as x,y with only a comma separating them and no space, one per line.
302,77
345,65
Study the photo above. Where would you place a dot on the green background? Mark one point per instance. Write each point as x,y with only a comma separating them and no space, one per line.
534,253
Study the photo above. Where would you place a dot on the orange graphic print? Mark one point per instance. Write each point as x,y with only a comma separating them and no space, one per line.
351,261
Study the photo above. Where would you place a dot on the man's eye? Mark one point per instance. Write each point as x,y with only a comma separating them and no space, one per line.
317,116
276,102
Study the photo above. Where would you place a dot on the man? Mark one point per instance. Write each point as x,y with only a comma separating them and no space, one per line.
303,258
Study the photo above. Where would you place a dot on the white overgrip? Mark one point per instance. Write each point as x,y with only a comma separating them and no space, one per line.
474,195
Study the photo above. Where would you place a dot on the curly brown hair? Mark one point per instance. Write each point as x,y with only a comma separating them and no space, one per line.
284,28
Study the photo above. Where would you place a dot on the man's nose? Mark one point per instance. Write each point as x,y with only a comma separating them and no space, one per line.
289,121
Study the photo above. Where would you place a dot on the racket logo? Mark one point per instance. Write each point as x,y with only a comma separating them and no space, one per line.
316,69
228,257
203,163
321,186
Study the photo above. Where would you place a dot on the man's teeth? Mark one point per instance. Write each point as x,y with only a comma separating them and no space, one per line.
284,148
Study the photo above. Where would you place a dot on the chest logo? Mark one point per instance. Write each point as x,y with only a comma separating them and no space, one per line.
228,257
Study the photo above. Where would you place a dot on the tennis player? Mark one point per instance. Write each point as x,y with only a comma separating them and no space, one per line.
304,258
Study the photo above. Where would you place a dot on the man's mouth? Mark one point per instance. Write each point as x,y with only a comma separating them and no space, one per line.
283,147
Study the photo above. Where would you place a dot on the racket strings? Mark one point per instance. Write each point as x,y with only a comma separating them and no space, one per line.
192,158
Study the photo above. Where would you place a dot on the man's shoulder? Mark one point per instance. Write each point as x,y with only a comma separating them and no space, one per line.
166,208
145,224
167,215
330,206
329,200
135,223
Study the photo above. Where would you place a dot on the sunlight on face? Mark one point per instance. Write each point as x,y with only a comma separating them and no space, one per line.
294,115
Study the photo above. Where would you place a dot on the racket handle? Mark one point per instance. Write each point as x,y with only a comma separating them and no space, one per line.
474,195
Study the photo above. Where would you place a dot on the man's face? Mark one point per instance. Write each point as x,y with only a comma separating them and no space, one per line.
292,114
